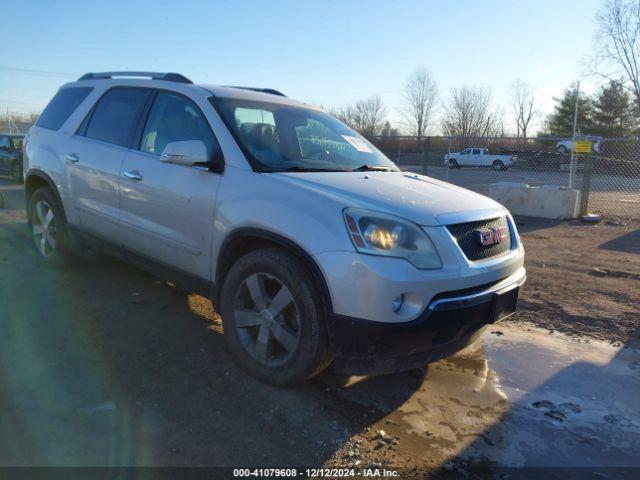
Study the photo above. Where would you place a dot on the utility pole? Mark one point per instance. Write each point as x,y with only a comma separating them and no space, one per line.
449,154
572,164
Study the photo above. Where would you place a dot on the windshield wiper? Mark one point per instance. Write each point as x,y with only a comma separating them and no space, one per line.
372,168
297,168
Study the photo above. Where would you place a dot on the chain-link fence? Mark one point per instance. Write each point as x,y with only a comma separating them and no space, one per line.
8,125
608,178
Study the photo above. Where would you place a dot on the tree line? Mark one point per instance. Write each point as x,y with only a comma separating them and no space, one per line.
609,112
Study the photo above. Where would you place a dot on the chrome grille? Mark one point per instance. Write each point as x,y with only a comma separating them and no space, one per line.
471,247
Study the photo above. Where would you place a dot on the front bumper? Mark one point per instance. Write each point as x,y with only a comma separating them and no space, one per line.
451,321
366,286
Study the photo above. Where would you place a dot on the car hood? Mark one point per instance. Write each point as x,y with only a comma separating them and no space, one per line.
418,198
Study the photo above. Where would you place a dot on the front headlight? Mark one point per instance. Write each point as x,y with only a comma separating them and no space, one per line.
381,234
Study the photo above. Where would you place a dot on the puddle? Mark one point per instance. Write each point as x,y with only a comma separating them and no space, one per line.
525,397
571,402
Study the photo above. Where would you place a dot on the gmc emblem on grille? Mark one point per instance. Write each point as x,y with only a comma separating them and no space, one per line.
490,236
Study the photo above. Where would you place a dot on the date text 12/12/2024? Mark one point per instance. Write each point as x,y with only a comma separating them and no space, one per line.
315,472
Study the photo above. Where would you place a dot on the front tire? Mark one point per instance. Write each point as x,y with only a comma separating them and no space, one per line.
48,228
453,164
498,165
273,320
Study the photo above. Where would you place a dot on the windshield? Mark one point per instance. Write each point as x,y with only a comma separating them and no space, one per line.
281,137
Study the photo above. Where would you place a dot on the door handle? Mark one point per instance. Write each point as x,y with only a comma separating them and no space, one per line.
72,157
133,175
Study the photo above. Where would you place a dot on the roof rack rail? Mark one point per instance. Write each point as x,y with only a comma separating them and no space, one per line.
170,77
271,91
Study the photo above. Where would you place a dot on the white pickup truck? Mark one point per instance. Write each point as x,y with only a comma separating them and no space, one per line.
479,157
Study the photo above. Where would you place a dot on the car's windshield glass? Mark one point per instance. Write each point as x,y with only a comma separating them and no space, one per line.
281,137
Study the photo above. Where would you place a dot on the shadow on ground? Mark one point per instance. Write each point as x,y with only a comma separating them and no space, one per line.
532,224
568,417
627,243
104,365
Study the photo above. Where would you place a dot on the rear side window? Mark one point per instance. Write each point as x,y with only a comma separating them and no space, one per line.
61,106
116,114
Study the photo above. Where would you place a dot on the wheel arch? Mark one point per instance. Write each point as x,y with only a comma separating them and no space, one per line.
246,239
36,179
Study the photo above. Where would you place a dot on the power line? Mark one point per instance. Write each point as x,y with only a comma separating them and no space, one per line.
356,92
8,100
30,92
326,92
38,72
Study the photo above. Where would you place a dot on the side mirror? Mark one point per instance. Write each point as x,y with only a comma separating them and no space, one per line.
187,153
191,153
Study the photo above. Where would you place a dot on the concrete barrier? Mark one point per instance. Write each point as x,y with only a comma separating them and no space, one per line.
548,201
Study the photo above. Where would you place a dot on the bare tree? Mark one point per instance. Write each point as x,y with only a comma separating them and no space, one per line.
367,116
524,108
343,113
420,94
617,44
468,113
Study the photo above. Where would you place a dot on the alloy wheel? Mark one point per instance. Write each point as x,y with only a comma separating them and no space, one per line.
267,319
44,228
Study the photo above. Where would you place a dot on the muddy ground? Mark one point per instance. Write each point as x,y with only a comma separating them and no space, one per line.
106,365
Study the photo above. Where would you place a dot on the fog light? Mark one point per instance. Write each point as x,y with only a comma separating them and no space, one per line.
397,303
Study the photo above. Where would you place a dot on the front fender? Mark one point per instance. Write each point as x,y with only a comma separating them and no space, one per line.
248,199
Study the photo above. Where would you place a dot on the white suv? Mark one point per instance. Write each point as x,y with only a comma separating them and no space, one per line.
312,245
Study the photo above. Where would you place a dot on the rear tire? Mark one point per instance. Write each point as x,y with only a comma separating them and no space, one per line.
273,319
16,172
48,228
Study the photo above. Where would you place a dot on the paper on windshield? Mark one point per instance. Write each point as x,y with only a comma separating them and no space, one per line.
357,143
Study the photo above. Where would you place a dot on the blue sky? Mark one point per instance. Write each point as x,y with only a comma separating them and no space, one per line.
328,52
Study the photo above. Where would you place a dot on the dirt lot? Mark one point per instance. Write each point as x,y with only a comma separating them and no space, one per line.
106,365
583,279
